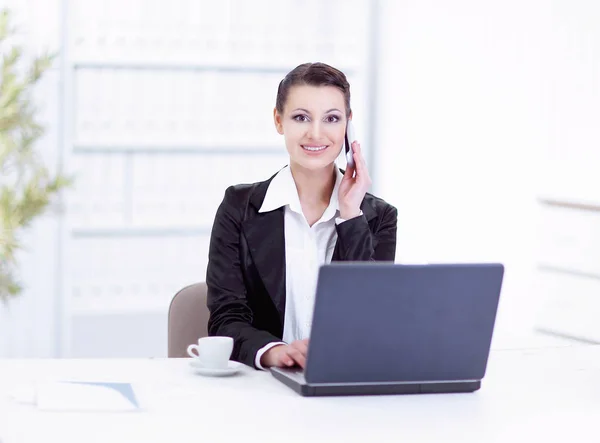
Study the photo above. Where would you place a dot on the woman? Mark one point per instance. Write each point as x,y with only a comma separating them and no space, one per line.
270,238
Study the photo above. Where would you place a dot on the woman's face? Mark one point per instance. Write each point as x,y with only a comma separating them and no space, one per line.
313,124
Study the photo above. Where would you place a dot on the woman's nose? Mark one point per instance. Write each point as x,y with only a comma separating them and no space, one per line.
315,130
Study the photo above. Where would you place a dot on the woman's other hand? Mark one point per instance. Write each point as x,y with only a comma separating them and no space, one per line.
286,355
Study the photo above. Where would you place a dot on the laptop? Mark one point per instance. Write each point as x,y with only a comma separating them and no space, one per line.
384,328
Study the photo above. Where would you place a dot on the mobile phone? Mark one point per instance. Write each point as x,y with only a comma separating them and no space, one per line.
348,139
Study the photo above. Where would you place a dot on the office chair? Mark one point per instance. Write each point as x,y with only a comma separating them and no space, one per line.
187,320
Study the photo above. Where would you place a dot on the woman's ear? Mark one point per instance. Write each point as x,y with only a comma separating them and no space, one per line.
277,120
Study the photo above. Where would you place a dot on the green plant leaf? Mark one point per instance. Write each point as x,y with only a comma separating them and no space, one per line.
40,65
4,25
26,188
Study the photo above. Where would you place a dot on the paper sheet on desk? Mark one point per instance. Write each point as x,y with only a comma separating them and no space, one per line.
86,396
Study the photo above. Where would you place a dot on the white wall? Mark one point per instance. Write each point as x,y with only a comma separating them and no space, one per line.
470,94
463,125
569,223
574,104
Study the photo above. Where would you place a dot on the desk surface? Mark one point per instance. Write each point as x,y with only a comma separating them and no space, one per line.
539,395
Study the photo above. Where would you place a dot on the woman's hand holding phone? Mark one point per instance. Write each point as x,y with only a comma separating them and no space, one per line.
354,185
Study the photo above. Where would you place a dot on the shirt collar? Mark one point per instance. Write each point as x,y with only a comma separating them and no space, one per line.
282,191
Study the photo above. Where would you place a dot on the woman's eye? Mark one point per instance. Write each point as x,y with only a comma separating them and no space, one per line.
301,118
332,119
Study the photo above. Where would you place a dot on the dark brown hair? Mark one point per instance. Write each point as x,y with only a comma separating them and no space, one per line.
313,74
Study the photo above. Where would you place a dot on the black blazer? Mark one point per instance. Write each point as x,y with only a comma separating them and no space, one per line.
246,263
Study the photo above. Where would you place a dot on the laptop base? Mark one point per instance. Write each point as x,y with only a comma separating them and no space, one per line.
294,380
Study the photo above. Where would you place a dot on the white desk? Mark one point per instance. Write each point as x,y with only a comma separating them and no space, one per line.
538,395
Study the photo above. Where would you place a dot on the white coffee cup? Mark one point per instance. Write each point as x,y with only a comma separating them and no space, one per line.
212,352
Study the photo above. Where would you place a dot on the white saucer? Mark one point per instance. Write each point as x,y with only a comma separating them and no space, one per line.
232,368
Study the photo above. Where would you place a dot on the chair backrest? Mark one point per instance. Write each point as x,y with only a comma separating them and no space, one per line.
188,319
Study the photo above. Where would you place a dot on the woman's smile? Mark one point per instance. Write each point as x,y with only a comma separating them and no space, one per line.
314,149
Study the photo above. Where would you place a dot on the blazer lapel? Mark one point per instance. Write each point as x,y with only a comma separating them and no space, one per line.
265,235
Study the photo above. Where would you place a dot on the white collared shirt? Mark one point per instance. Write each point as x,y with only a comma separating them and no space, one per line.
306,249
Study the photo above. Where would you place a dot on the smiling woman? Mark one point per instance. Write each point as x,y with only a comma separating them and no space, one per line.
311,111
313,131
270,238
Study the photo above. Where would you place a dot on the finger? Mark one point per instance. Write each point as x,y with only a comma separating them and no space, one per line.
362,171
356,151
297,356
285,360
349,173
301,346
358,159
282,359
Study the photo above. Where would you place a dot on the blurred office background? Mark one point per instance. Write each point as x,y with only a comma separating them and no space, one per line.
479,120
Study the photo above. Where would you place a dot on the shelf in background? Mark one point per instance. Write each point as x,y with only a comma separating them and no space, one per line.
566,336
219,68
80,148
246,68
140,232
127,305
563,270
570,204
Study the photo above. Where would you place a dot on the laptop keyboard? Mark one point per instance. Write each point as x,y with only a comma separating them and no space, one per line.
295,374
